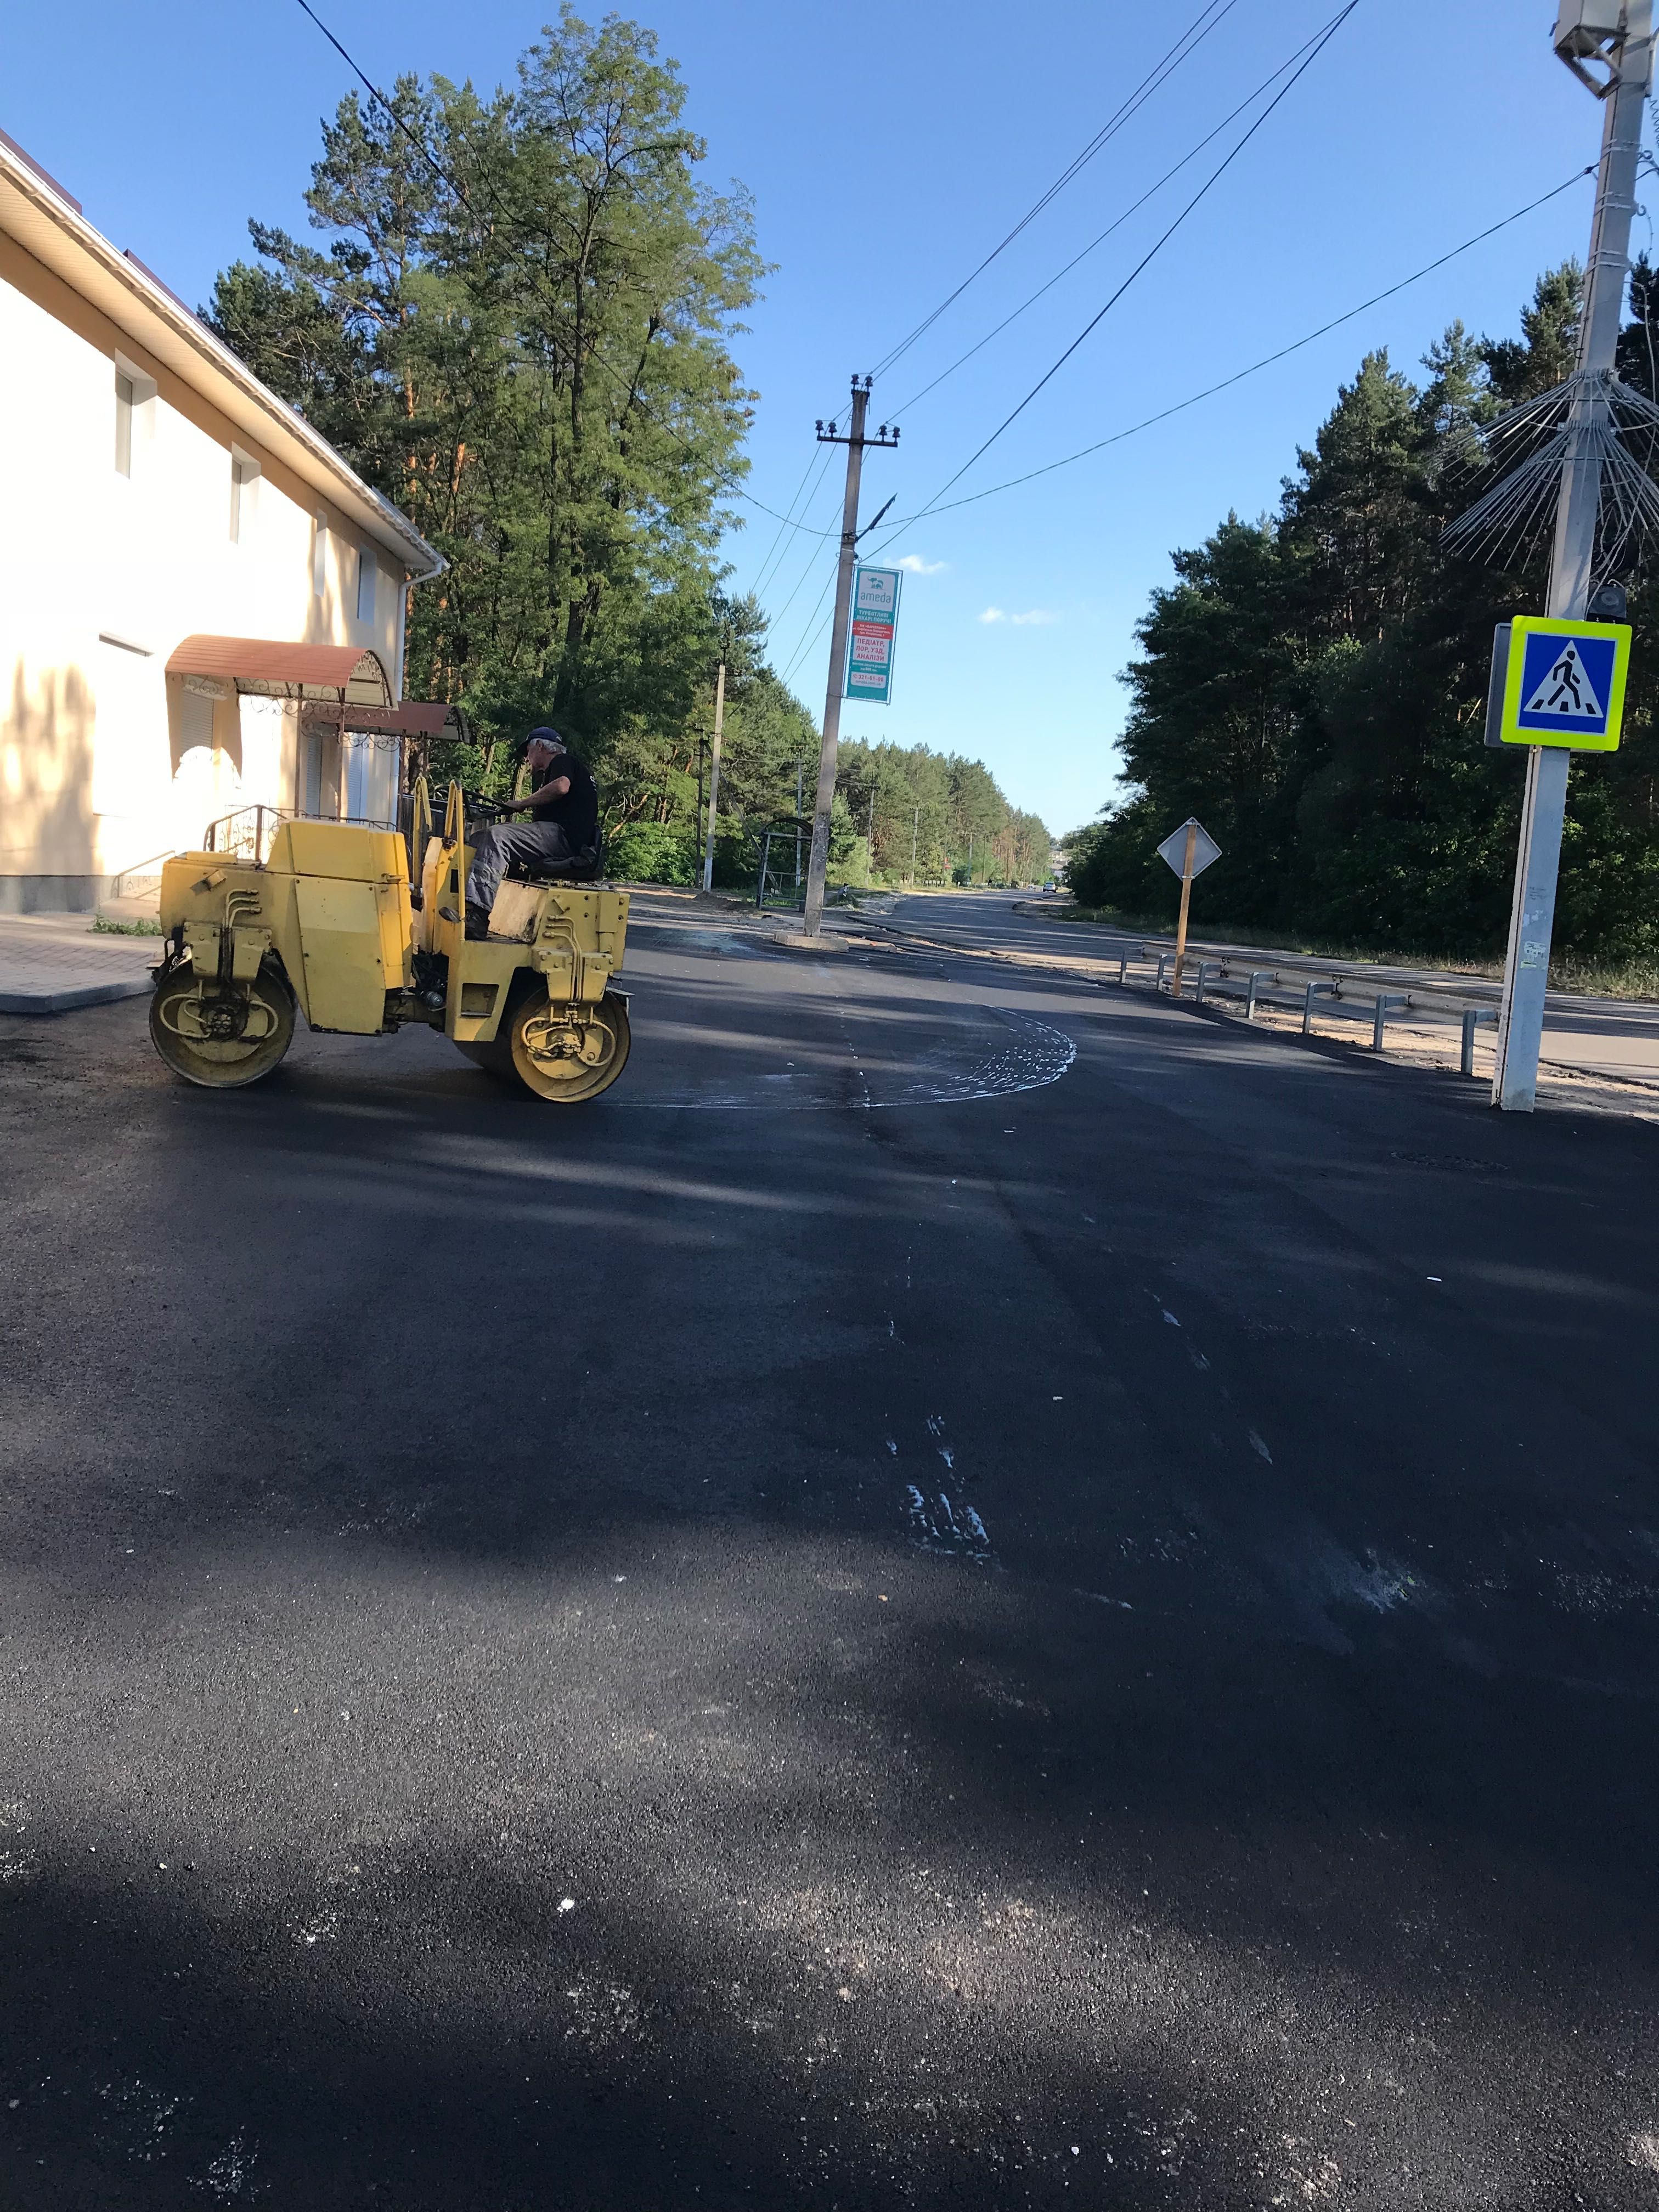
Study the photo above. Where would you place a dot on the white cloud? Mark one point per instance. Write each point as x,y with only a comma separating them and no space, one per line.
994,614
918,567
1038,617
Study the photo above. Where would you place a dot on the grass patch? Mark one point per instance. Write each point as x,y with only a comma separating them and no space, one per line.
145,928
1636,978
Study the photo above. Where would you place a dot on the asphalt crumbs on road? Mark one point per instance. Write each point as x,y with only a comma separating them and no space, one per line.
971,1591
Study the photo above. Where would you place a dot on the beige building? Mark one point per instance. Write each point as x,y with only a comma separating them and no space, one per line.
173,532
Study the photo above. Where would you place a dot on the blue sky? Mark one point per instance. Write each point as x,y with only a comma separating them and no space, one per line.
888,149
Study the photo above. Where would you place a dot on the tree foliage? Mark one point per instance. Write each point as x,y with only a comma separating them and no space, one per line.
515,320
517,326
945,814
1312,686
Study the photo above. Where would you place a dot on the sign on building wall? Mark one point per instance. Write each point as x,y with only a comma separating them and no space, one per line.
870,647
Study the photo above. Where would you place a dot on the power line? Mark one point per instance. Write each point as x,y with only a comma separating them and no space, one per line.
818,458
808,642
374,93
802,640
1266,362
765,567
1186,45
1210,182
1135,207
636,398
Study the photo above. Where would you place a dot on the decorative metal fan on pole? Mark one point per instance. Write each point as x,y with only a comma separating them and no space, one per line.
1576,477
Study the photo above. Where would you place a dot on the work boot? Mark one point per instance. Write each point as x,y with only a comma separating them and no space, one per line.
477,920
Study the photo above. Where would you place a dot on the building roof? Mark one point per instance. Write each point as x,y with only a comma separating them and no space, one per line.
48,224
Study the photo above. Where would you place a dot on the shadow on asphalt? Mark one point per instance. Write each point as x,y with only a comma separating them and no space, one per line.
1260,1814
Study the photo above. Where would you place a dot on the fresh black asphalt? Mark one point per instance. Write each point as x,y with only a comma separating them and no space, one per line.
972,1592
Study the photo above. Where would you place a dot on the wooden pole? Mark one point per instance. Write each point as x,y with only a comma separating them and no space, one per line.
1185,901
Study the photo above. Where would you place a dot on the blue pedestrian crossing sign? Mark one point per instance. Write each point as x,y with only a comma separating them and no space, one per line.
1564,683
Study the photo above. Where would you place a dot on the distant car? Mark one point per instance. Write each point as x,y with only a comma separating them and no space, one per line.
1050,885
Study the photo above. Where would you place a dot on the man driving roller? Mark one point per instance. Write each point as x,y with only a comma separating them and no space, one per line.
564,810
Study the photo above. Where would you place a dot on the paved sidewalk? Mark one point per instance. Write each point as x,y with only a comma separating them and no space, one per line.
50,963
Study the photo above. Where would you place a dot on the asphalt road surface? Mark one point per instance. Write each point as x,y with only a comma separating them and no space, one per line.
1594,1036
972,1592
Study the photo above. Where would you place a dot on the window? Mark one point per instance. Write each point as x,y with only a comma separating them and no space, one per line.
245,474
369,576
320,557
126,399
134,391
311,772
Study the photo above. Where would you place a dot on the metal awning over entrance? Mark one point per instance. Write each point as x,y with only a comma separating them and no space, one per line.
348,679
270,668
358,752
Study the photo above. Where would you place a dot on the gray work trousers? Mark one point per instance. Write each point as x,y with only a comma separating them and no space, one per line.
510,840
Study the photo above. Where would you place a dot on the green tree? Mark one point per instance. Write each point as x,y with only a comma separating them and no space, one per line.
1313,686
517,326
1547,352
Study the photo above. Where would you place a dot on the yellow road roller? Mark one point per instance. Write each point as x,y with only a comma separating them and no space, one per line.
342,923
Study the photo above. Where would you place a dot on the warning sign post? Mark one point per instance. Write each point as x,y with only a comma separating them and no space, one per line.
1188,850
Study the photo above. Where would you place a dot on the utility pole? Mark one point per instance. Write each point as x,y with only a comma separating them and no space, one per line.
797,799
1619,38
855,442
715,774
870,840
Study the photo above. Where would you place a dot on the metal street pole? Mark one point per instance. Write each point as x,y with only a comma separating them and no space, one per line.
856,442
714,776
915,831
1532,916
799,772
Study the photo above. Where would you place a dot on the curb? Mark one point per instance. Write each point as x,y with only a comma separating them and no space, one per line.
67,1001
799,944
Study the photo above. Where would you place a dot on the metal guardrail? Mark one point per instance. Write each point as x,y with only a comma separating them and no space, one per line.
140,872
1473,1017
247,834
1363,997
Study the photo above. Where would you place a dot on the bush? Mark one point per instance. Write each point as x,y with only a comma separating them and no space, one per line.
652,853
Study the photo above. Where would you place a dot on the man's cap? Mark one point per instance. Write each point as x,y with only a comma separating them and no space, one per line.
546,737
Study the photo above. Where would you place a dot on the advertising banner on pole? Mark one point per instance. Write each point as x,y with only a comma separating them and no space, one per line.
870,644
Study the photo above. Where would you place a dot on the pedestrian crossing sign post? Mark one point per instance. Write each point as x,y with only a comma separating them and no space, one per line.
1558,683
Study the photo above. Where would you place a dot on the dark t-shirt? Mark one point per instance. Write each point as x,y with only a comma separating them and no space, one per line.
576,810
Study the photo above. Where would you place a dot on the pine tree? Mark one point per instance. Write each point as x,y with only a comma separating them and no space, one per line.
1547,352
